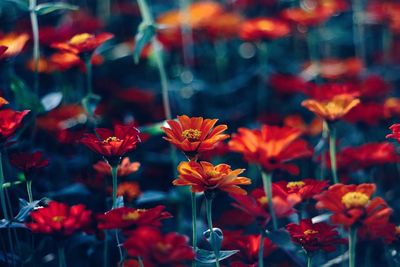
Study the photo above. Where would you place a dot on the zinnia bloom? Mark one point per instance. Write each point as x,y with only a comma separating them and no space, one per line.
129,190
83,43
14,42
263,28
125,168
129,218
271,147
312,129
352,205
156,249
306,188
194,135
28,162
204,176
10,121
315,236
112,144
59,219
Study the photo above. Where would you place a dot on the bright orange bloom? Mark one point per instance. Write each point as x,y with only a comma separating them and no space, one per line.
83,43
263,28
194,135
129,190
309,17
271,147
14,43
204,176
333,109
125,168
352,204
296,121
3,102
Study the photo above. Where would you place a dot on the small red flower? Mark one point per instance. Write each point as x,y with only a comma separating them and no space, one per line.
28,162
129,190
395,132
59,219
306,188
156,249
315,236
369,113
263,28
10,121
129,218
112,144
125,168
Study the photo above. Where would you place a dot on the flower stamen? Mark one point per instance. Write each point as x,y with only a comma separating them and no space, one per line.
355,200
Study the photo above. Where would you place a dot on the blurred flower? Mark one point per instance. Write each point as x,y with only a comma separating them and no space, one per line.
156,249
129,219
385,231
59,219
306,188
297,122
334,109
3,102
263,28
83,43
28,162
328,91
374,86
194,135
287,84
391,107
369,113
129,190
125,168
2,50
224,25
112,144
352,205
334,69
10,121
14,42
271,147
65,60
204,176
45,65
395,132
315,236
307,17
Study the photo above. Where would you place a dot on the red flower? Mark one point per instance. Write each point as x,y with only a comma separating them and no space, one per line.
385,231
125,168
10,121
309,17
2,50
315,236
156,249
28,162
129,190
263,28
306,188
59,219
296,121
129,218
271,147
395,132
369,113
112,144
287,84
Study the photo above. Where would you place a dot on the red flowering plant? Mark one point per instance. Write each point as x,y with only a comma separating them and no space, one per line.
10,121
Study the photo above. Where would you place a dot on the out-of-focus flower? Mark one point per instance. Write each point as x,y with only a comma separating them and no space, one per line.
306,188
14,42
112,144
352,205
224,25
333,109
391,107
385,231
395,132
59,219
287,84
248,246
271,147
204,176
129,190
28,162
297,122
334,69
328,91
83,43
374,86
263,28
156,249
125,168
3,102
64,61
45,65
315,236
129,218
194,135
10,121
2,50
307,17
369,113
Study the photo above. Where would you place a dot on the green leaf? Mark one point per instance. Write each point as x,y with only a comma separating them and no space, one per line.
25,98
207,256
47,8
145,33
214,238
23,5
154,129
10,184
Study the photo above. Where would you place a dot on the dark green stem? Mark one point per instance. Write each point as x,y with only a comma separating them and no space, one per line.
210,226
36,51
29,190
61,257
114,174
194,225
141,264
261,250
267,184
309,261
332,153
2,194
352,246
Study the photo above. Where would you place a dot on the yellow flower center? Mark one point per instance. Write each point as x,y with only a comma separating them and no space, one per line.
191,134
80,38
294,185
58,218
263,200
112,139
213,173
355,200
266,25
133,215
310,232
163,247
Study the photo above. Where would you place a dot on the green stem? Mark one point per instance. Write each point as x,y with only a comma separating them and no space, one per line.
309,261
261,250
105,251
2,194
358,30
36,51
141,264
267,183
332,153
88,64
194,225
114,174
61,256
352,246
29,190
210,226
121,255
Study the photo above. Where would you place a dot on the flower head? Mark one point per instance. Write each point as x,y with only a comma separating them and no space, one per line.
10,121
395,128
204,176
59,219
194,135
14,43
28,162
315,236
125,168
306,188
263,28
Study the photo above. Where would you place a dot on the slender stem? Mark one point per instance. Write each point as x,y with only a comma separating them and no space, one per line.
88,64
29,190
324,138
2,194
61,256
114,174
352,246
141,264
105,251
261,250
186,30
36,51
262,57
332,153
358,29
267,183
210,226
194,225
313,52
309,261
121,255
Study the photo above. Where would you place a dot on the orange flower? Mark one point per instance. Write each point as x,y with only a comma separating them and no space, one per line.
125,168
14,43
129,190
263,28
333,109
3,102
352,204
194,135
271,147
224,25
309,17
204,176
296,121
45,65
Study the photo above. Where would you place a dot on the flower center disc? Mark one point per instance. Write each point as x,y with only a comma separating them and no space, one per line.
80,38
191,134
112,139
294,185
355,200
310,232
